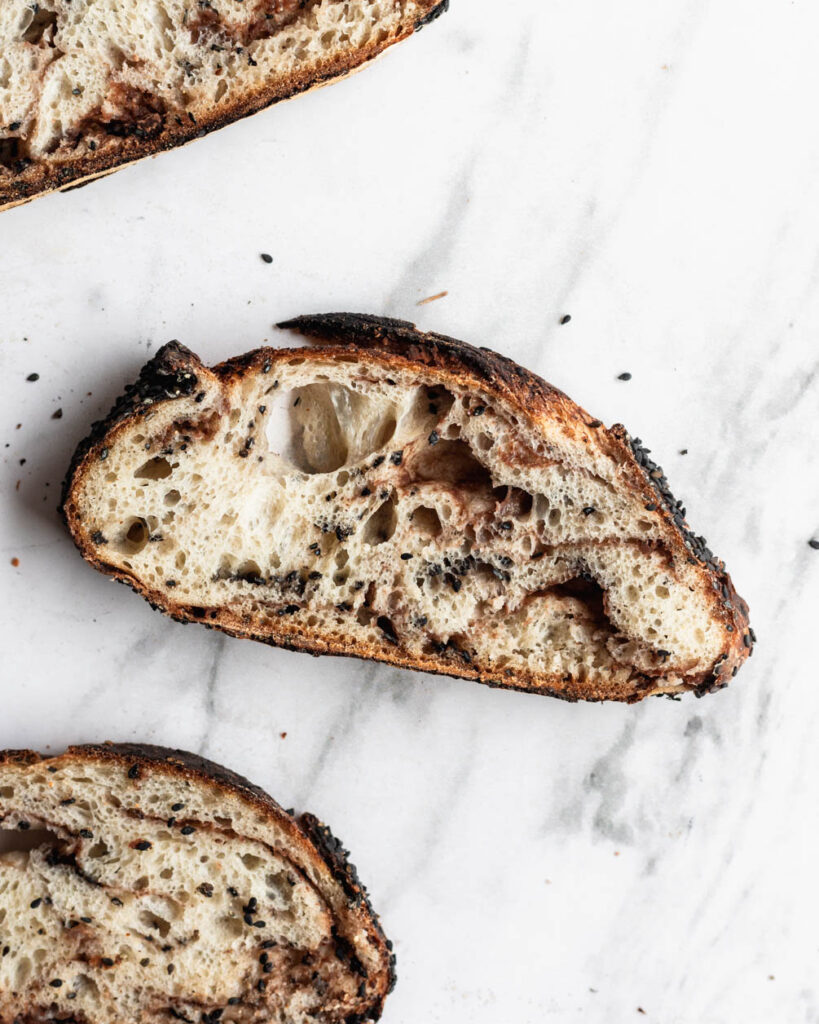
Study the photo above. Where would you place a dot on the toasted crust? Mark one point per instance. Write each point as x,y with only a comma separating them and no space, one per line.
315,839
175,371
40,179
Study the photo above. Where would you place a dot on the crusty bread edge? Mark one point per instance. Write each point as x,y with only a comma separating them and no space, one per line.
175,371
81,171
326,852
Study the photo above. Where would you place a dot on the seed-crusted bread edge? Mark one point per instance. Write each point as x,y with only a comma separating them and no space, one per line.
84,170
175,370
305,829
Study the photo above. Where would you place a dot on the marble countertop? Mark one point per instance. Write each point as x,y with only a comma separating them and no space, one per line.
651,169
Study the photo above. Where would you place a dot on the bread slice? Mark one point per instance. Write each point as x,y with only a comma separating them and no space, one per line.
144,884
405,497
88,87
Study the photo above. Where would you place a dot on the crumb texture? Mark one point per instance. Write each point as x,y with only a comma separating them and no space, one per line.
136,891
346,502
87,84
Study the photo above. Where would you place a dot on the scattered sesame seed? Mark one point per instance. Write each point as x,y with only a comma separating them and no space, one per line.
86,833
171,968
266,257
177,807
36,903
57,414
56,983
107,961
566,318
142,845
434,437
624,376
133,771
188,830
24,826
32,377
813,543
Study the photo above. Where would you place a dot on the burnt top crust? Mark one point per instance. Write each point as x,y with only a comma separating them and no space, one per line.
227,62
397,348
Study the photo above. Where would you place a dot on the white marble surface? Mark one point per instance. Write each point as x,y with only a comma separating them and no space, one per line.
651,168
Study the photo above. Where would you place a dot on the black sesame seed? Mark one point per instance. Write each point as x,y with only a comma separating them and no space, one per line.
260,924
813,543
86,833
268,943
6,950
171,968
267,968
142,845
86,920
683,451
57,414
566,318
406,556
233,1001
261,985
232,891
32,377
589,510
396,458
133,771
187,830
263,958
56,983
177,807
24,826
651,507
107,961
434,437
36,903
116,901
624,376
266,257
248,919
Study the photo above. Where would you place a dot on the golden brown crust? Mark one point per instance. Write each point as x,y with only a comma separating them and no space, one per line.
327,855
38,179
396,344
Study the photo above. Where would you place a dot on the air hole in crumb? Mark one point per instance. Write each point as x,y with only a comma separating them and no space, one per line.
154,469
172,497
381,524
135,537
426,521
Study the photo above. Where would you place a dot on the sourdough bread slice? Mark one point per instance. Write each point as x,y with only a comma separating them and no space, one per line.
88,87
405,497
144,884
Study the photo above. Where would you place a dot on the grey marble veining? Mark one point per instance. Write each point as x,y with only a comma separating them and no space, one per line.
651,169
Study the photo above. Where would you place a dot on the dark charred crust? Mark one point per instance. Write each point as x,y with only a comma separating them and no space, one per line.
337,859
433,15
403,339
172,373
32,178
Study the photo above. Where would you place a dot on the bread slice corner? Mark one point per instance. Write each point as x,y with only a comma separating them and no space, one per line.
88,88
141,883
